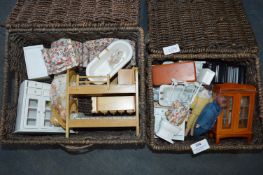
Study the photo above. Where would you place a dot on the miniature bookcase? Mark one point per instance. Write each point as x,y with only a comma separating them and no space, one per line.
107,97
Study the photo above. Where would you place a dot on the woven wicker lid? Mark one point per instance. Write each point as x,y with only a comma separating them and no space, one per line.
198,26
73,13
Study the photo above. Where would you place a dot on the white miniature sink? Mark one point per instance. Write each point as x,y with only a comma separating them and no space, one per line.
109,61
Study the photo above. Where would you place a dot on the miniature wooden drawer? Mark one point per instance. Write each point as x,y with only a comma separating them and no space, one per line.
115,104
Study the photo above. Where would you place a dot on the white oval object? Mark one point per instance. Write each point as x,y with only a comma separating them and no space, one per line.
110,61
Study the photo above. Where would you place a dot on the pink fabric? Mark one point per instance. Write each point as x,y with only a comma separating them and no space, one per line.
58,94
65,54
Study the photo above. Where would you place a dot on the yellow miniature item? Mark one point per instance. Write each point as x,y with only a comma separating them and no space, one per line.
201,100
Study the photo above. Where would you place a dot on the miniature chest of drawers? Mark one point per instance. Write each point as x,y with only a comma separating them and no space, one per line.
34,108
236,119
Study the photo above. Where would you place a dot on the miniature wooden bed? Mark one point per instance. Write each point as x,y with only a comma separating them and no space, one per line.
81,85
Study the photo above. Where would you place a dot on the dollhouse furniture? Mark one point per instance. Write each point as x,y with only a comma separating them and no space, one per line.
34,111
110,60
97,86
182,71
35,64
113,104
236,119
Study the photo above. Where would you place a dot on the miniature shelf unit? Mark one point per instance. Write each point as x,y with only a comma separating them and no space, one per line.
99,85
236,119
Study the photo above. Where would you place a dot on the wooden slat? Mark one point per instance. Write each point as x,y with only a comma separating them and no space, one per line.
93,123
102,89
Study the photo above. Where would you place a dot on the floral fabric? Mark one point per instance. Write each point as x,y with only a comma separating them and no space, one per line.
92,48
63,54
66,53
58,94
177,113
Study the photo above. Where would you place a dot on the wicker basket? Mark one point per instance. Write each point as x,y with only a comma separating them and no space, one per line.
253,77
15,73
74,13
209,30
200,26
42,22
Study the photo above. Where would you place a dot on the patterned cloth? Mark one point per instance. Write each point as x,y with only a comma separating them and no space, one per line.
58,94
65,53
93,48
177,113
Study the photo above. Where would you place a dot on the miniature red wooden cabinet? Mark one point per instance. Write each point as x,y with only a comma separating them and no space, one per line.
236,119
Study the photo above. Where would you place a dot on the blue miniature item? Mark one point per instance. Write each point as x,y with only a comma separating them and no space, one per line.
208,117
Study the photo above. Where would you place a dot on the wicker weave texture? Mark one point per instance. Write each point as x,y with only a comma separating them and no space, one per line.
15,73
198,26
69,13
227,145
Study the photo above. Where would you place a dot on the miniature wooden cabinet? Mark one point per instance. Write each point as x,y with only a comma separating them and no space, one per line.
34,108
236,119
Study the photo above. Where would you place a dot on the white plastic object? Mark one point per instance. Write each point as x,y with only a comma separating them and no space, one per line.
110,61
206,76
35,64
199,66
168,62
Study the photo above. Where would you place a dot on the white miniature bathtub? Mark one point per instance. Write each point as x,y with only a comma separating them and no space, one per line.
110,60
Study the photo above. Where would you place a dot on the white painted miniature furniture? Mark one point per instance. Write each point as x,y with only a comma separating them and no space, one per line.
34,109
35,63
110,60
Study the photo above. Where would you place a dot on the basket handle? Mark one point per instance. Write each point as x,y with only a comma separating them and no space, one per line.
77,149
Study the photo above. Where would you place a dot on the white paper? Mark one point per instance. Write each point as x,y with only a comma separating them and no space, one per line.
200,146
199,66
180,135
171,49
167,131
35,64
206,76
159,114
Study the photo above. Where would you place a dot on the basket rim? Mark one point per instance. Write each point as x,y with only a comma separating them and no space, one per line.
213,148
